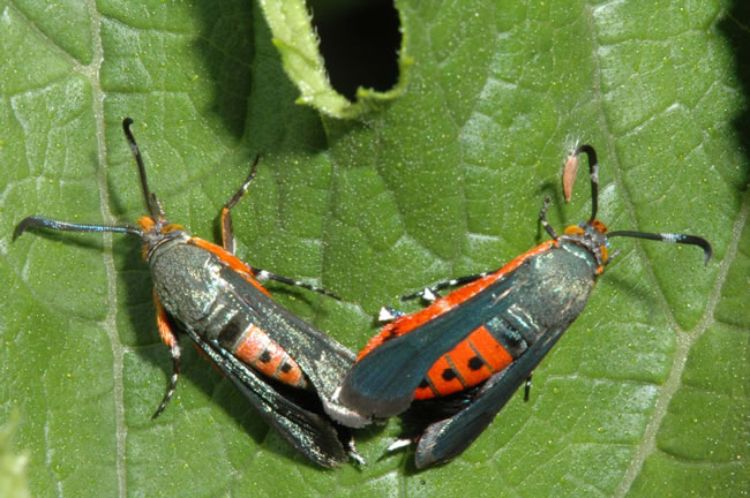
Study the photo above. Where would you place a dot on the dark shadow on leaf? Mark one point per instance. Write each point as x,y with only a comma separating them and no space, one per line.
633,293
82,240
341,129
274,122
359,42
115,200
226,46
735,26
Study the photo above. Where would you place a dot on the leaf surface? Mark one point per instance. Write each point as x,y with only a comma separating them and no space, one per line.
647,393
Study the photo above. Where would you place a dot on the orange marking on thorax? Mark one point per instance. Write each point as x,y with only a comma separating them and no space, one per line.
231,261
407,323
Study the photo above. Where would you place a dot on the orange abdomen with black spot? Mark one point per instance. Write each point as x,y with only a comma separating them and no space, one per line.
470,363
256,349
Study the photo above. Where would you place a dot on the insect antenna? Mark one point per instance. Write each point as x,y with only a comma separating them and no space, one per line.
571,167
40,222
151,202
673,238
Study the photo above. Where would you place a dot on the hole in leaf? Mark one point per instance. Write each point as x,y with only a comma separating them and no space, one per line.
359,42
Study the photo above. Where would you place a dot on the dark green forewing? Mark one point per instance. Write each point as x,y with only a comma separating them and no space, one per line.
324,361
382,383
310,433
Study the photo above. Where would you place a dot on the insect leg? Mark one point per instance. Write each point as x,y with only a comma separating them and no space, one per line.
351,449
527,388
169,338
227,237
543,218
267,275
150,198
388,314
399,444
444,284
227,233
34,222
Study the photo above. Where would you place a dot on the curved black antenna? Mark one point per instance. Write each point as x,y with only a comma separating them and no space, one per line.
594,174
35,222
151,203
674,238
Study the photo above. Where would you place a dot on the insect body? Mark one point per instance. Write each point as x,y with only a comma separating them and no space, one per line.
285,367
474,347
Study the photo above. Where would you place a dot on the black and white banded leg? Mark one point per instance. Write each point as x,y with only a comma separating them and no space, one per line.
429,294
388,314
527,388
543,218
168,337
227,236
264,275
227,230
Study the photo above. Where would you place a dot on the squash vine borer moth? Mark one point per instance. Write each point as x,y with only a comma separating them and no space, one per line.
287,369
460,359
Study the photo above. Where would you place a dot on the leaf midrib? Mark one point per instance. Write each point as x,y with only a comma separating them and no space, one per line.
109,323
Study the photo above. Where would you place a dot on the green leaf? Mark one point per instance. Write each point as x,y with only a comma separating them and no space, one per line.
647,393
13,480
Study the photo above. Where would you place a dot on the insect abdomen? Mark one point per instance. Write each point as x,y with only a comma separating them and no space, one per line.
471,362
189,285
255,348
